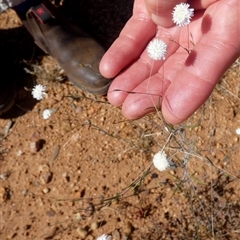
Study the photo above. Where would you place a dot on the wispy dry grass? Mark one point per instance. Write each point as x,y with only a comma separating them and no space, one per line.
197,199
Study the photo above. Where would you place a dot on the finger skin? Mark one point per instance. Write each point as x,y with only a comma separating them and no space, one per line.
192,84
161,11
134,37
195,83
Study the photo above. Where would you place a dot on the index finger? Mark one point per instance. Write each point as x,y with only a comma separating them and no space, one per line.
130,43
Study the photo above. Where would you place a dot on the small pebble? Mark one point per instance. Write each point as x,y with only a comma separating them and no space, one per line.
35,146
27,227
66,126
82,232
116,235
79,109
50,234
78,216
128,228
45,177
238,131
19,153
35,136
24,192
3,195
5,176
94,226
43,168
235,139
46,190
51,213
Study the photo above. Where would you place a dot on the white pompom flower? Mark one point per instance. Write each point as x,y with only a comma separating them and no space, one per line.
39,92
47,113
157,49
160,161
182,14
3,7
238,131
104,237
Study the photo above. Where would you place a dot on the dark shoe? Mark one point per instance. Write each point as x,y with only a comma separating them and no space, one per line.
7,95
76,52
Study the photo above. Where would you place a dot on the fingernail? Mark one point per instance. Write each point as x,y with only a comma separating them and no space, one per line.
156,19
162,21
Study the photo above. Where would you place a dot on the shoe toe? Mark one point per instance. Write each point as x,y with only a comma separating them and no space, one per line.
89,80
75,51
80,60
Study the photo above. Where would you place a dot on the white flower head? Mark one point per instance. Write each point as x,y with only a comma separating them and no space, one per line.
3,6
157,49
160,161
47,113
104,237
182,14
238,131
39,92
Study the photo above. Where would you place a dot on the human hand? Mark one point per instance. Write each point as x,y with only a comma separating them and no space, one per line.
182,82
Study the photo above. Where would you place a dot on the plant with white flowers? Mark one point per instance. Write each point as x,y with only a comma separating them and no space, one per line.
39,92
104,237
47,113
157,49
182,14
160,161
